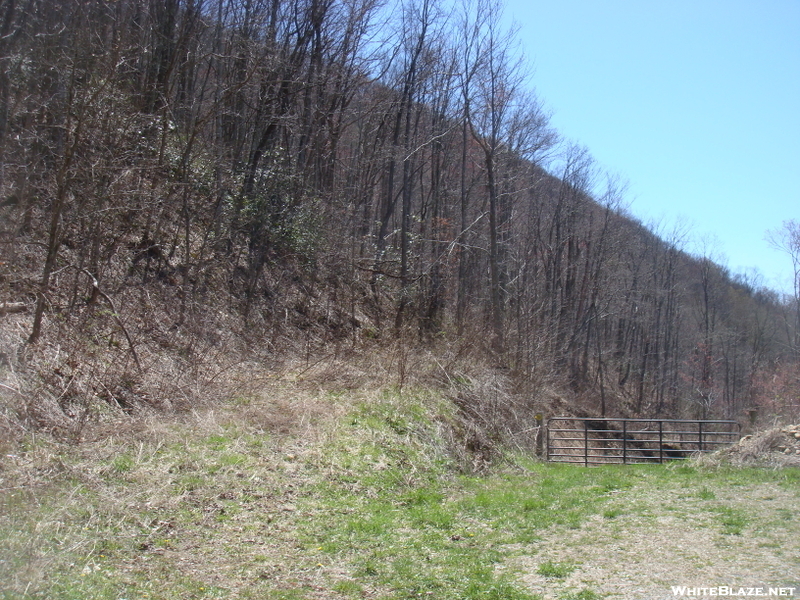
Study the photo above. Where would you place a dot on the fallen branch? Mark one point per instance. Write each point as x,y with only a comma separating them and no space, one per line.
11,389
12,307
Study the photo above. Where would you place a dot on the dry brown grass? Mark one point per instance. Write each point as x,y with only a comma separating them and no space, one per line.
81,386
131,474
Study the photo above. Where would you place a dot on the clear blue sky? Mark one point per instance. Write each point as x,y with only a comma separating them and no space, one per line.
696,103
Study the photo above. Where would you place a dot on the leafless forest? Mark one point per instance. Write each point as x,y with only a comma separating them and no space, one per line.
188,185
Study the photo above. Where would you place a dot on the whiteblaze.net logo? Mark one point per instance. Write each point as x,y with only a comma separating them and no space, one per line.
733,592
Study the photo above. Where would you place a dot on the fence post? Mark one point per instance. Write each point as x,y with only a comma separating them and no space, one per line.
661,441
585,443
700,435
625,442
540,437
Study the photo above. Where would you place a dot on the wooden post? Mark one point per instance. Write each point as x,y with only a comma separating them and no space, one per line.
539,436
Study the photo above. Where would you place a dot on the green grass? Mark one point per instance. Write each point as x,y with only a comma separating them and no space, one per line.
733,520
376,507
706,494
555,570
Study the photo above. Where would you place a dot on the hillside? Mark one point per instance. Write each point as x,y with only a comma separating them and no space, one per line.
309,493
195,195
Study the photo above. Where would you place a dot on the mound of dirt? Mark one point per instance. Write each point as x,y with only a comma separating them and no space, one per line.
777,447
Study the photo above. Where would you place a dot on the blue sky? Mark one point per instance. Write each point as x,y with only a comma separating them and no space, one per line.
696,103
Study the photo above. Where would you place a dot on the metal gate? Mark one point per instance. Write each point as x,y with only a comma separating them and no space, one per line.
596,441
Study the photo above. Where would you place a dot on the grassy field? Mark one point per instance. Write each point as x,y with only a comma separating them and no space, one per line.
366,498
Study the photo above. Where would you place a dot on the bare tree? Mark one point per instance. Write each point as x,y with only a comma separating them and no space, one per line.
787,239
497,92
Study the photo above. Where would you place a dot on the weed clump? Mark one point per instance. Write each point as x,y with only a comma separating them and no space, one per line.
555,570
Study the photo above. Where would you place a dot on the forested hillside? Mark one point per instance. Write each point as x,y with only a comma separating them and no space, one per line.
189,184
